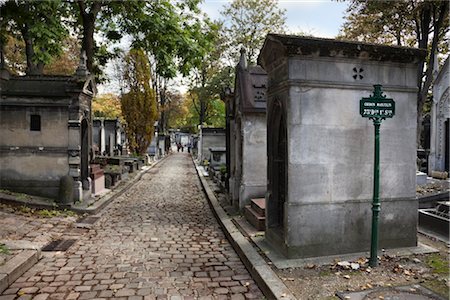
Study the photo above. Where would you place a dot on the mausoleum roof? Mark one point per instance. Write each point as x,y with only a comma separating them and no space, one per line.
46,86
278,45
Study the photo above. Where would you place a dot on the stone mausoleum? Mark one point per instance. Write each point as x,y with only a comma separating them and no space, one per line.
109,137
246,113
439,123
45,133
321,151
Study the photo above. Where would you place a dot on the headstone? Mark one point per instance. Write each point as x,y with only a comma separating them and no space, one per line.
98,179
65,190
209,137
320,150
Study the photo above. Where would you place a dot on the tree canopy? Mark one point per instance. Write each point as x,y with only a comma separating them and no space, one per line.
39,25
247,22
417,23
138,104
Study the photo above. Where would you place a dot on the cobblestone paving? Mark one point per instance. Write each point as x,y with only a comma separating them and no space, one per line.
159,240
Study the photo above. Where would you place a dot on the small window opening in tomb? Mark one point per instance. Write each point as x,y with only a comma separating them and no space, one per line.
216,157
35,123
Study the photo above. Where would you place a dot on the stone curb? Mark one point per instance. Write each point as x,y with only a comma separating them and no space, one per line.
266,279
15,267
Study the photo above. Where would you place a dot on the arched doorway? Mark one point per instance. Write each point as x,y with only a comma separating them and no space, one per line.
84,154
277,165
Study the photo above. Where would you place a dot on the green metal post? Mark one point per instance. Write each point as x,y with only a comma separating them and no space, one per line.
373,261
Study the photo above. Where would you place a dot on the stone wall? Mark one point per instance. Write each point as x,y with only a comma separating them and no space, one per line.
254,158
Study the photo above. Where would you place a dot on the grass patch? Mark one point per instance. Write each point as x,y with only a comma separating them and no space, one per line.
4,249
325,273
45,213
20,196
438,264
437,286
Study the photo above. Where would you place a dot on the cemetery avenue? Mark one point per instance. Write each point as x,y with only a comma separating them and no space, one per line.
175,150
159,240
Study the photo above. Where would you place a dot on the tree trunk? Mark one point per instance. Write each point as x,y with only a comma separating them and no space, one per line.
427,75
202,100
88,19
423,31
32,68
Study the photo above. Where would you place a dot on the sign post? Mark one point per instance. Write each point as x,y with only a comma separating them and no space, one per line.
377,108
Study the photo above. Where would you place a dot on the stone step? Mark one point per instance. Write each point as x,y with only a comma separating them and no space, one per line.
259,205
258,221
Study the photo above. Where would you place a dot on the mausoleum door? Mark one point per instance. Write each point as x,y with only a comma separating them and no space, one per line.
277,170
84,154
447,144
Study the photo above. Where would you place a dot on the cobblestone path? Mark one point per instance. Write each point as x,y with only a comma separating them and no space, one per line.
159,240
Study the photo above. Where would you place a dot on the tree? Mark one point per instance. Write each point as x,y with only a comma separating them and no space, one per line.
138,105
247,24
107,106
418,23
14,54
39,23
67,62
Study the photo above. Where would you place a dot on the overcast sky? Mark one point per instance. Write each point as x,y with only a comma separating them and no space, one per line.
320,18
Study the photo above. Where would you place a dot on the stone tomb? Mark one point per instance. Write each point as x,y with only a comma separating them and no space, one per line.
246,113
209,137
217,158
45,133
108,137
320,150
438,161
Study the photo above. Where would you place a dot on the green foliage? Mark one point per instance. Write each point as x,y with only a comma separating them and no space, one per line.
107,106
223,169
39,23
139,106
247,24
418,23
4,249
438,264
172,32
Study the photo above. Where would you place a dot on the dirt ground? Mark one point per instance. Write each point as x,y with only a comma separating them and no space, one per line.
429,270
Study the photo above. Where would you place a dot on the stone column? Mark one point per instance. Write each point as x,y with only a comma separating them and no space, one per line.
102,137
74,152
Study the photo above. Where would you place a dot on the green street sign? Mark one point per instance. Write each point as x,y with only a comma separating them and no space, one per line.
377,106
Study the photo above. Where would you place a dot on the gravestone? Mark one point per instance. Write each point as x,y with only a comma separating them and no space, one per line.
209,137
217,157
320,150
247,146
438,160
